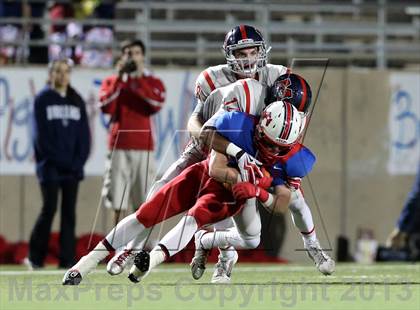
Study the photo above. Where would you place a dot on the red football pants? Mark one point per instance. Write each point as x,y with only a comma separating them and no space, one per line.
207,200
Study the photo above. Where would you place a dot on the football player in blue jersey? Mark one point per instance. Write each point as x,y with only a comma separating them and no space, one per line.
274,142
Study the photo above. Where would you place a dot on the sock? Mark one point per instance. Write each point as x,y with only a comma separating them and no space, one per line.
227,253
126,230
157,257
89,262
309,236
302,216
179,236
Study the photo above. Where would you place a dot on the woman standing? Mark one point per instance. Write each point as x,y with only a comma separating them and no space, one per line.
62,145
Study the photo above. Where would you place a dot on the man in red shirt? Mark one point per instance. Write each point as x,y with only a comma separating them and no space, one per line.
131,97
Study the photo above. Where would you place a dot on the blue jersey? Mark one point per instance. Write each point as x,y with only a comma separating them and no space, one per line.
238,128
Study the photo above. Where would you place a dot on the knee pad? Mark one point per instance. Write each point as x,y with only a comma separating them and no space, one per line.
251,242
253,230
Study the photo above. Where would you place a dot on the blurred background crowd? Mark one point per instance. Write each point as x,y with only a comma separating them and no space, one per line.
369,33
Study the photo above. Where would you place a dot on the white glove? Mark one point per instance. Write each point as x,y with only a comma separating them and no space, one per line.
249,167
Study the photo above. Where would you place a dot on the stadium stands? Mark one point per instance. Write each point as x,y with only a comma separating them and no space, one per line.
382,33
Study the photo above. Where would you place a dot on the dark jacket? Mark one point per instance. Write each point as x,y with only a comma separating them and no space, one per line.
409,220
61,135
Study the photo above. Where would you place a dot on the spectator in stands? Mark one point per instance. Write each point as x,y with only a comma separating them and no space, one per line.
11,33
408,223
58,32
62,145
37,54
131,97
98,39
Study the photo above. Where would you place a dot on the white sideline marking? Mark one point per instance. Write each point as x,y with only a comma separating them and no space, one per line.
162,270
280,268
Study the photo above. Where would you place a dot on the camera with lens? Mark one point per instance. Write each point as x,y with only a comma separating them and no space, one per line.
129,65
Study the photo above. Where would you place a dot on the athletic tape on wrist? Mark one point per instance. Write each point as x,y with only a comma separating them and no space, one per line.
265,197
233,150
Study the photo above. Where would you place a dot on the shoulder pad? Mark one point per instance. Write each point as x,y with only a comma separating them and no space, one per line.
244,95
271,72
211,79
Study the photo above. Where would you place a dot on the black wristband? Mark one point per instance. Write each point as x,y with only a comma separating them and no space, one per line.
239,154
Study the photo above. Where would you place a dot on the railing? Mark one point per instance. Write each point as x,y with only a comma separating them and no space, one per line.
347,33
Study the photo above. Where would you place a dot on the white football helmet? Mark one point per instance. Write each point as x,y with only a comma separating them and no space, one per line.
278,130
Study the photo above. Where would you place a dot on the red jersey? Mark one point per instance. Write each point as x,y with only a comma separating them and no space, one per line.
130,104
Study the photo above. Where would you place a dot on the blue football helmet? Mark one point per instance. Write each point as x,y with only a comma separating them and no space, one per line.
240,37
291,88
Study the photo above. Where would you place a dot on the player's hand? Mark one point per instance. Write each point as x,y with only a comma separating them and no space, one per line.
264,182
249,168
245,190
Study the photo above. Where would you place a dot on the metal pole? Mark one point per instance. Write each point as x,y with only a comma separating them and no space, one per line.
344,158
381,61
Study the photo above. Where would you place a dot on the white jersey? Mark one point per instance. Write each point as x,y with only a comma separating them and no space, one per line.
246,95
219,76
219,89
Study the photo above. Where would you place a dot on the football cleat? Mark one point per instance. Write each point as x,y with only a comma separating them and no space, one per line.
140,267
72,277
323,262
198,263
120,261
224,266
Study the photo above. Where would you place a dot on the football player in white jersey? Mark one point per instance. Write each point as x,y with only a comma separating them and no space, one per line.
295,90
247,96
280,122
246,55
133,224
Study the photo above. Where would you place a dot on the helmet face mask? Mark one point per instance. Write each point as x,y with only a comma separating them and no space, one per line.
268,152
240,38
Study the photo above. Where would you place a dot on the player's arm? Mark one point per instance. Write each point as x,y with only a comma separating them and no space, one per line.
202,91
275,203
195,122
206,133
227,128
210,137
242,96
219,170
213,140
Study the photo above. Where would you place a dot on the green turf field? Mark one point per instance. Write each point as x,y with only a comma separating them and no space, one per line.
254,286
